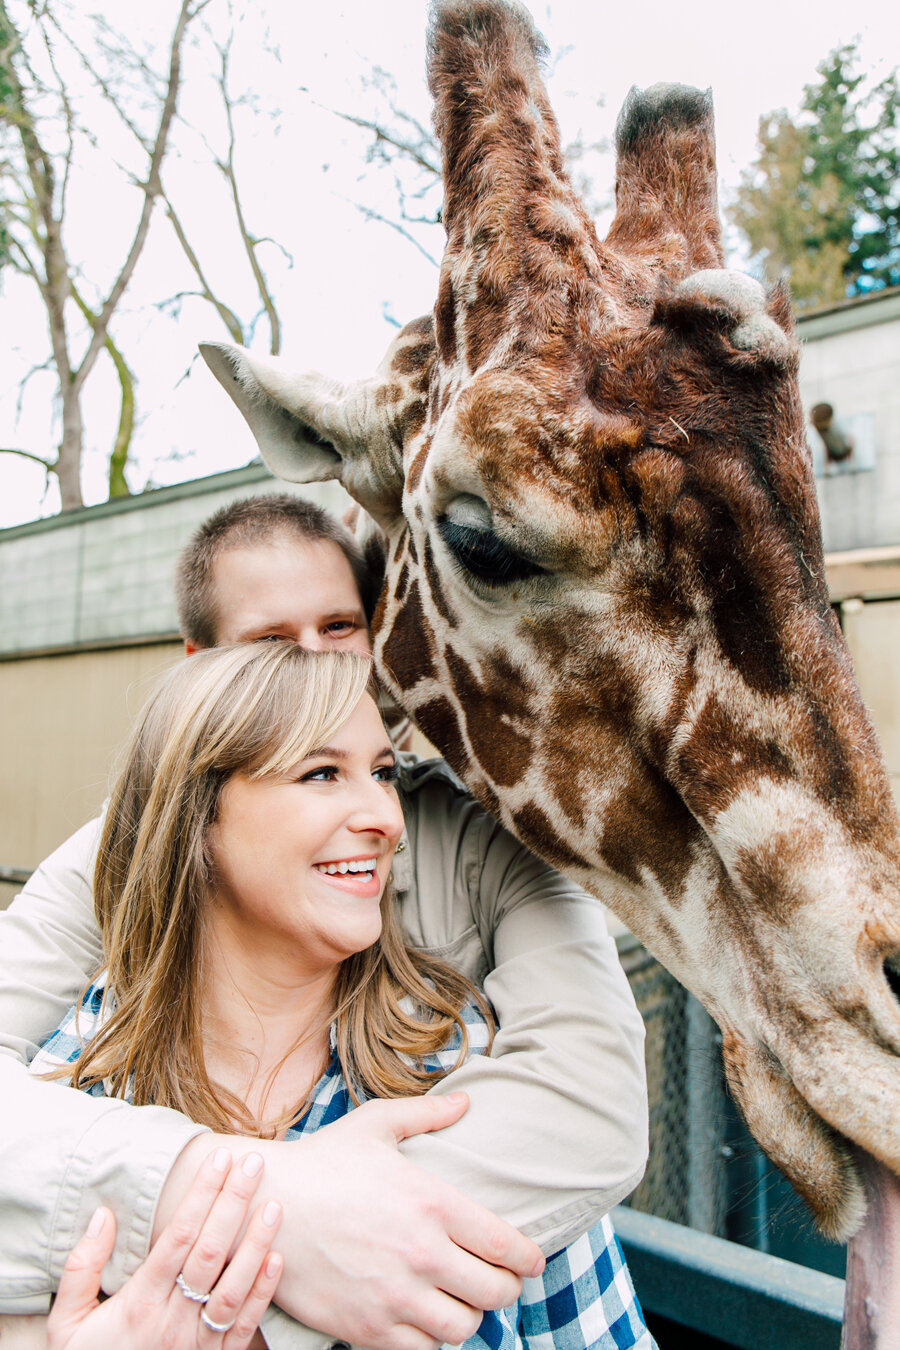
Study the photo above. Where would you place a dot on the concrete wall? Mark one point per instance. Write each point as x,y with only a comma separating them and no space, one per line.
873,636
851,359
62,719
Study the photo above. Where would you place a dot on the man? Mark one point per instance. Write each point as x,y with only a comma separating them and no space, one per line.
375,1241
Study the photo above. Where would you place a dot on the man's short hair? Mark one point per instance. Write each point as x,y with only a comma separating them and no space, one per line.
241,524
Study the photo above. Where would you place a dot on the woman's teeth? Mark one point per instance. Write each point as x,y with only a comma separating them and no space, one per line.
363,865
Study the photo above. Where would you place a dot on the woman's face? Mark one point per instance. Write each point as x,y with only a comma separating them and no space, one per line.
301,860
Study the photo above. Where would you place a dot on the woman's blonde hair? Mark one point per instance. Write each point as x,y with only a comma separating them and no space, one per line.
256,709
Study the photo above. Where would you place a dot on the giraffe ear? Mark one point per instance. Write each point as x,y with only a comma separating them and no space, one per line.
291,445
310,428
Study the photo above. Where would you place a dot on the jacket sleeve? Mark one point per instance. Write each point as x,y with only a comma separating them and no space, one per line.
556,1132
62,1153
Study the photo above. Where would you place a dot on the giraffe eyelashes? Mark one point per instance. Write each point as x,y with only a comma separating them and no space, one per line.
480,554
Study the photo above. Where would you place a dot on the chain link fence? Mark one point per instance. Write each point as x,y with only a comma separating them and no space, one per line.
685,1179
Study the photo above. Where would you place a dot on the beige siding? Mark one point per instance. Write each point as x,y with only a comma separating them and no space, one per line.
62,719
873,636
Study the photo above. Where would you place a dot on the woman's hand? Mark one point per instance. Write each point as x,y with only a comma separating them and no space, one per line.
183,1297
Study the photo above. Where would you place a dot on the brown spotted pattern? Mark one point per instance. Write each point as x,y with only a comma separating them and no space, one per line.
666,710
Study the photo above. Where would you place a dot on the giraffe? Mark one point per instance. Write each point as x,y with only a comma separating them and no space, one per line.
604,594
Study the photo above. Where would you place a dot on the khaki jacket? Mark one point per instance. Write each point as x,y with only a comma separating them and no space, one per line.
556,1132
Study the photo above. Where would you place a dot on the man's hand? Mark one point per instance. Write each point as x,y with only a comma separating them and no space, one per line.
378,1252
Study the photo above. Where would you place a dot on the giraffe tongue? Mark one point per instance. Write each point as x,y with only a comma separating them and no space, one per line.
872,1300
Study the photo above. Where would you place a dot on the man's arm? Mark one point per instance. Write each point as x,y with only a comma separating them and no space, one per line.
63,1152
556,1132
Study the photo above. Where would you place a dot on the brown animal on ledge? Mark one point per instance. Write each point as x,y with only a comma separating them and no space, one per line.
605,599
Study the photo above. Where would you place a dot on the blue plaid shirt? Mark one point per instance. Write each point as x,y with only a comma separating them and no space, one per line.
584,1297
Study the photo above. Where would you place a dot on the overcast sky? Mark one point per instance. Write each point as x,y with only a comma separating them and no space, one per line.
304,173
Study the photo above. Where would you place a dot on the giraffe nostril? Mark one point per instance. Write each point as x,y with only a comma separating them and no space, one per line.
892,974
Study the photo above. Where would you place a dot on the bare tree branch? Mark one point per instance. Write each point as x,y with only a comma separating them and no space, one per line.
276,243
406,148
23,383
54,284
403,143
403,195
228,316
42,118
250,244
152,189
118,458
69,120
369,214
26,454
180,381
102,84
26,264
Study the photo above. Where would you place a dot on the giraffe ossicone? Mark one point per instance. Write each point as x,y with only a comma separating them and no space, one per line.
755,329
605,598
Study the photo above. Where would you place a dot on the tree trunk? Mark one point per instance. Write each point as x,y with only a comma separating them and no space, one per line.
68,464
118,483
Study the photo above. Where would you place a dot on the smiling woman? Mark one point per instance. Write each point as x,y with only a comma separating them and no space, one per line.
253,772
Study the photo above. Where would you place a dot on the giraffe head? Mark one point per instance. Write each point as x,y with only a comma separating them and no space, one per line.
604,596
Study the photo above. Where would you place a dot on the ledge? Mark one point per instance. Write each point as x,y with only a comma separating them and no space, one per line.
745,1299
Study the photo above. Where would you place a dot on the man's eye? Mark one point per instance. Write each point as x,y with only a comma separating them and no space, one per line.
387,773
341,626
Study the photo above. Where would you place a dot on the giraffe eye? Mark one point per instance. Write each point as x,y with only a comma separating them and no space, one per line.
482,555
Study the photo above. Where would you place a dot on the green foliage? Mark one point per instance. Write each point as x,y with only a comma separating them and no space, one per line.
8,38
822,201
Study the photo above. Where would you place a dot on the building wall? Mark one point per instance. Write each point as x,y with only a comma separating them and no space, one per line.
63,719
851,359
873,636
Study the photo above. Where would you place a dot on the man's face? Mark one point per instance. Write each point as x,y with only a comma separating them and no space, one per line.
289,588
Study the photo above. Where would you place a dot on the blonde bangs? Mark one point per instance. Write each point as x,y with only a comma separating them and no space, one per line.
326,707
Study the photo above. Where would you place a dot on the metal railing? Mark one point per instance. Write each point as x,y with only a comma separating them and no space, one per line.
742,1299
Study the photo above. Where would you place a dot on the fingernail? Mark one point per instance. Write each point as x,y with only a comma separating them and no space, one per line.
454,1098
221,1159
273,1265
98,1219
271,1213
252,1164
538,1268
